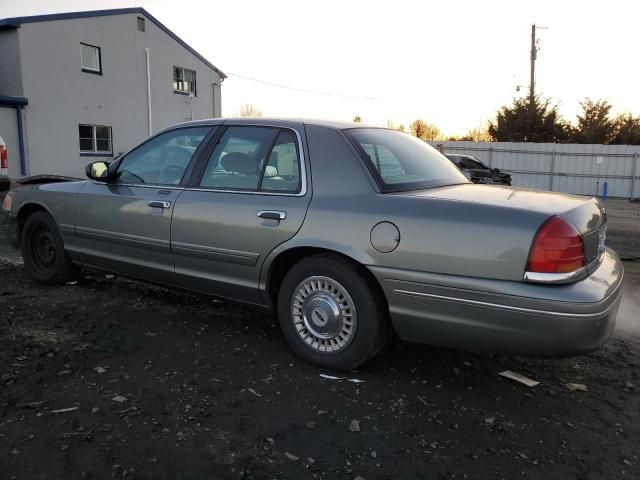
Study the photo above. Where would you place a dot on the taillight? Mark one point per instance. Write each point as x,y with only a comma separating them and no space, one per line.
4,158
557,248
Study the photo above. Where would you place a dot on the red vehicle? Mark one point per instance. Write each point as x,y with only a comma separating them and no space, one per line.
4,167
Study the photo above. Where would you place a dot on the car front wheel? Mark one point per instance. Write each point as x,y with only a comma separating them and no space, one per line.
43,250
331,312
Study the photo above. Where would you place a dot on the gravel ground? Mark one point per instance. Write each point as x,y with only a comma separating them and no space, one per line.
623,230
108,378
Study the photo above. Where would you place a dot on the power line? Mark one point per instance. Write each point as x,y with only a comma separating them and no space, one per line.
303,90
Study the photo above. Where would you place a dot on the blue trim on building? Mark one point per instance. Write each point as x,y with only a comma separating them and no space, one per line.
15,22
13,101
23,163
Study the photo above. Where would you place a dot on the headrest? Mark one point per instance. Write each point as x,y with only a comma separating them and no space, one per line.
239,163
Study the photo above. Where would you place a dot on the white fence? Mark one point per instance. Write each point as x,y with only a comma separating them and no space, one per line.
569,168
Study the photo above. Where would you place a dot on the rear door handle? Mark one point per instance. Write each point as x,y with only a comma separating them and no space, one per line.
159,204
272,214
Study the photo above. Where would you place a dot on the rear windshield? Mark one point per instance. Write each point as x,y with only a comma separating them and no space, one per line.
401,162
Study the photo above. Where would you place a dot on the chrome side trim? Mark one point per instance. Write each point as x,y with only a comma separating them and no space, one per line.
143,185
507,307
237,257
537,277
123,239
245,192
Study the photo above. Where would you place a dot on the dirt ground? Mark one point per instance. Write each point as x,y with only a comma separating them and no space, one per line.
623,231
148,383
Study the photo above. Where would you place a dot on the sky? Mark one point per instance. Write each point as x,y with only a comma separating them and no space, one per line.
451,63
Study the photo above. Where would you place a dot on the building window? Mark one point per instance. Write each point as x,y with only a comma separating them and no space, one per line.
141,24
95,139
184,81
90,58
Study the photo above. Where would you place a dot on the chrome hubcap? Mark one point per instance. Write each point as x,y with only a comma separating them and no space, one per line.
324,314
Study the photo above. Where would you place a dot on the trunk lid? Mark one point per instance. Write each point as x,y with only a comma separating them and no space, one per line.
586,213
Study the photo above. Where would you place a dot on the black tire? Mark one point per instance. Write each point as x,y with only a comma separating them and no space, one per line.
43,250
371,325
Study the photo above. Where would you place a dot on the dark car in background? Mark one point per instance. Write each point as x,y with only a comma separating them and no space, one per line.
479,172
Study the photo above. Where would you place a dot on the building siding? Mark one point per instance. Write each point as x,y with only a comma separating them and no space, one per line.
61,96
10,72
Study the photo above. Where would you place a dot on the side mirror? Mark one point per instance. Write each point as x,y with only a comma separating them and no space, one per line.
98,170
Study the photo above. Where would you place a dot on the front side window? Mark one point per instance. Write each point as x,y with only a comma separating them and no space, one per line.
162,160
184,80
90,58
254,159
402,162
95,139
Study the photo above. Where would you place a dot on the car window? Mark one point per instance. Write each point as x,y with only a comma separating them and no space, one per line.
401,162
254,159
282,173
473,164
163,159
386,162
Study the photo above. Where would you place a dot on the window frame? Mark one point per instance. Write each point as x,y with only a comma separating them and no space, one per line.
195,81
198,173
95,152
141,24
91,70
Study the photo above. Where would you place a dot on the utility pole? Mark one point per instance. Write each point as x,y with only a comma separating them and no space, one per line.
534,55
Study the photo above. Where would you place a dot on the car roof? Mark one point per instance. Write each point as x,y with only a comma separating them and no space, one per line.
275,121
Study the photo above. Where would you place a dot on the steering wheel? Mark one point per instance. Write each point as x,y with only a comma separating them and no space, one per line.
177,159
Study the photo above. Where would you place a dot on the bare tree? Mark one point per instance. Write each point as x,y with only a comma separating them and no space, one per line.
248,110
425,131
473,135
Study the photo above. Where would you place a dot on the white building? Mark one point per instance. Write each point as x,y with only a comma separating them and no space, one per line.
76,86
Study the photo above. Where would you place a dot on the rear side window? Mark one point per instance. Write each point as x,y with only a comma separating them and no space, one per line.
402,162
255,159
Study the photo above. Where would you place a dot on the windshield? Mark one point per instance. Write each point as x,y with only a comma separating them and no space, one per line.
401,162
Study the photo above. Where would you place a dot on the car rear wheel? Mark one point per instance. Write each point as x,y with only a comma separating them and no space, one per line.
331,313
43,250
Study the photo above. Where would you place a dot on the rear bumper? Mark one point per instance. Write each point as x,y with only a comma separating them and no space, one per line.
504,316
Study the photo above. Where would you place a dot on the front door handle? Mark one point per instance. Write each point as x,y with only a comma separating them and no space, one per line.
272,214
159,204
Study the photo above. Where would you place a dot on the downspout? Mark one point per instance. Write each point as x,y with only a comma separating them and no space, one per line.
146,51
23,163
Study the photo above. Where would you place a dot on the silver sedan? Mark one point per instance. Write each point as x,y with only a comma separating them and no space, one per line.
347,232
